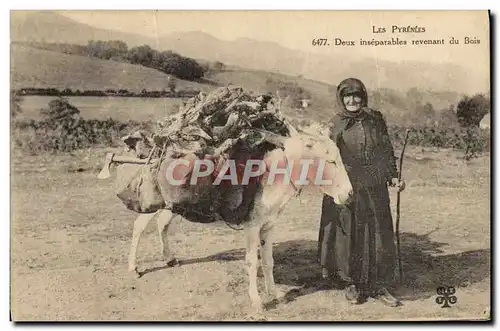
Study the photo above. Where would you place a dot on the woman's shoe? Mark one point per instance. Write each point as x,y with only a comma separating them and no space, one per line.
384,296
352,294
333,280
325,274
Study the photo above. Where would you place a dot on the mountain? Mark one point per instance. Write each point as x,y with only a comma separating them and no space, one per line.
244,52
330,69
49,26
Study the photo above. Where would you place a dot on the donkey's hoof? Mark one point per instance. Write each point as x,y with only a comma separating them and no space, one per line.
173,263
273,304
256,316
135,273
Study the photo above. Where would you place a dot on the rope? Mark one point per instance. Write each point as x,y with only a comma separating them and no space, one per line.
142,170
236,229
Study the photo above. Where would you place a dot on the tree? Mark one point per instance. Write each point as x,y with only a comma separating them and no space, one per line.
428,110
448,118
59,109
181,67
15,103
111,49
172,84
118,46
219,66
414,96
142,55
291,91
471,110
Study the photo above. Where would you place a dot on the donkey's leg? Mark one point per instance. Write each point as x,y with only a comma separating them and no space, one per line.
252,245
139,225
163,221
260,273
266,241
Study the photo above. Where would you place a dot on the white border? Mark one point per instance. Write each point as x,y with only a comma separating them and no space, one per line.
185,4
256,4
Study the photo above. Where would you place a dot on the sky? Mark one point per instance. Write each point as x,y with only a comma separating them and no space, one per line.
296,29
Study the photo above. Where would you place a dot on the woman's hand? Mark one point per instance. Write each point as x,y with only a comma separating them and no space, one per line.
400,184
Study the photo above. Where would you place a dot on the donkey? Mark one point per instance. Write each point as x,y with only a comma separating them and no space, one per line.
267,203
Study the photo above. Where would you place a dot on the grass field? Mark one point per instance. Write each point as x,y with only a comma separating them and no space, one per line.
137,109
70,238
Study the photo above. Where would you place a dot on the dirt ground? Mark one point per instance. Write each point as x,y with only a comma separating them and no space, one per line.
70,237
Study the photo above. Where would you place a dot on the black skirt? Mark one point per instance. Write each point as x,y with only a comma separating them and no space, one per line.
356,241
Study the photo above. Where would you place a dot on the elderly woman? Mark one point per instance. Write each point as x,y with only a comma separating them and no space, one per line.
356,241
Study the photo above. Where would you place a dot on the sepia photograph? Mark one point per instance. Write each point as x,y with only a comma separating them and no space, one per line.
250,166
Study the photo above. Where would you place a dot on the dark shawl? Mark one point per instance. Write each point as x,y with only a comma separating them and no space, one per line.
356,241
369,157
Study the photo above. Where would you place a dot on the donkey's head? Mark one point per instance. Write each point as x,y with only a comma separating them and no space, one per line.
321,157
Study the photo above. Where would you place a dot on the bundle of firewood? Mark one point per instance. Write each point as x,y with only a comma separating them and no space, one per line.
227,123
215,122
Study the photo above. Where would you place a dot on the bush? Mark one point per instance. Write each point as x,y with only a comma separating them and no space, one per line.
15,104
60,109
470,110
292,92
107,50
72,49
71,134
471,142
168,62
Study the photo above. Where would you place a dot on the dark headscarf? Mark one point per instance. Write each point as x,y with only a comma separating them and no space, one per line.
352,86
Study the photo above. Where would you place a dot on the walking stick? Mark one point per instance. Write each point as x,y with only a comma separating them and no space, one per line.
398,208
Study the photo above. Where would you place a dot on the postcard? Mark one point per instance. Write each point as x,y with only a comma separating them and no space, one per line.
250,166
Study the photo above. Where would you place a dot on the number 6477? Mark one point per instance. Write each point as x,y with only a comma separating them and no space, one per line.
320,42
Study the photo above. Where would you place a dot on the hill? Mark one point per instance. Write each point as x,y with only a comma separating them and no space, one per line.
259,55
39,68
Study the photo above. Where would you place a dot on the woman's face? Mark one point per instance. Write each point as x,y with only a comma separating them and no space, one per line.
352,102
